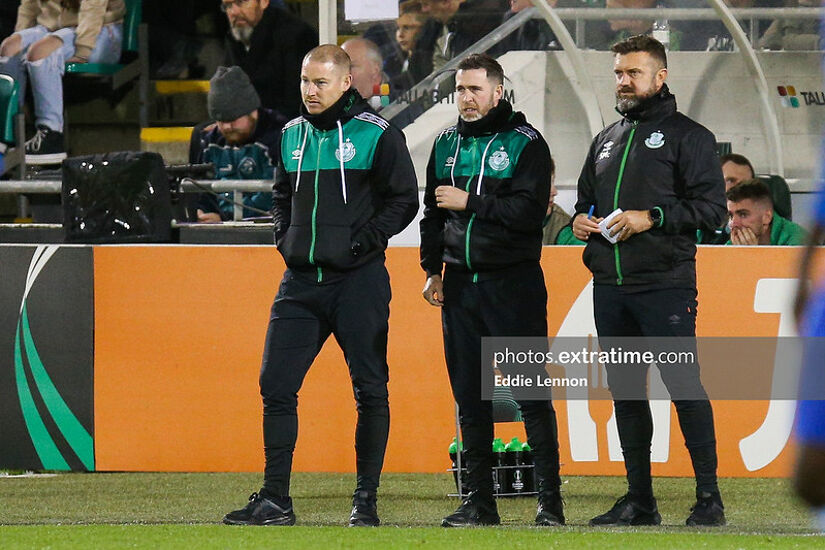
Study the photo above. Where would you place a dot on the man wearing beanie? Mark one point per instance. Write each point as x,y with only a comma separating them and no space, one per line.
241,143
487,192
344,185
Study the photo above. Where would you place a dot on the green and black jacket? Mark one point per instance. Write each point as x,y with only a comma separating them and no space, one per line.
504,164
344,185
654,157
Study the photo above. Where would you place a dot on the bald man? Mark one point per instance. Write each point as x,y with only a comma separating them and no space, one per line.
344,184
366,65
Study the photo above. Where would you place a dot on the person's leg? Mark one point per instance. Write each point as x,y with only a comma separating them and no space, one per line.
12,54
672,313
463,328
45,62
295,335
628,383
516,306
359,316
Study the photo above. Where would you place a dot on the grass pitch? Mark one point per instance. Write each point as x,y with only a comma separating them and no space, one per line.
184,511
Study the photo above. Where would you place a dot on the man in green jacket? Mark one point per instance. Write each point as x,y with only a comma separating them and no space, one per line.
753,221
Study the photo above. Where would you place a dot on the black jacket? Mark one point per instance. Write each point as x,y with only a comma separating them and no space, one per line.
504,163
655,157
277,48
344,185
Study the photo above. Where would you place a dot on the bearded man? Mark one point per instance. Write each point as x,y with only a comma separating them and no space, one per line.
659,169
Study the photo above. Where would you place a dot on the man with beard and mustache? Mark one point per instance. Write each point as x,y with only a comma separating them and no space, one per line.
661,169
240,141
484,204
268,43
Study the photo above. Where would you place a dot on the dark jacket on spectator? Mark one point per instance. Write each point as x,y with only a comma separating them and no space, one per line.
279,42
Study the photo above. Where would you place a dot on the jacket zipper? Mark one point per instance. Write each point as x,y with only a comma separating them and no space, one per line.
616,255
315,211
472,216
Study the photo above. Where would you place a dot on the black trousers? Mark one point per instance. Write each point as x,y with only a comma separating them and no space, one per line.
621,312
511,302
355,309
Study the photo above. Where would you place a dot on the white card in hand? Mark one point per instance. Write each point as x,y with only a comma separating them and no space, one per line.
605,222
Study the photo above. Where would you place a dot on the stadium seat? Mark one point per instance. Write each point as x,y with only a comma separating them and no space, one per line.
11,127
781,194
134,60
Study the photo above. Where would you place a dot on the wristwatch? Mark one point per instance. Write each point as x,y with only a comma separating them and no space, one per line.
655,216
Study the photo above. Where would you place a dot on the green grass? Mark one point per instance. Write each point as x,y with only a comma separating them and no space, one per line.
183,510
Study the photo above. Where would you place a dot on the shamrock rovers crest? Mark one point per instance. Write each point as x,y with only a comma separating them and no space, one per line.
499,160
345,152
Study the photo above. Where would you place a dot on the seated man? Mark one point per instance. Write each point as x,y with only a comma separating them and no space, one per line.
736,169
753,221
242,143
48,34
556,225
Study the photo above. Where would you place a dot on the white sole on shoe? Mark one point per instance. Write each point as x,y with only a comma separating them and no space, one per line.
52,158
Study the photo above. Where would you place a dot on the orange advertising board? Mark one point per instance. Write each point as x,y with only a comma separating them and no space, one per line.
179,333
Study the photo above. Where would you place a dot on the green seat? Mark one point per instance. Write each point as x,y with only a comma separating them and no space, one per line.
11,126
131,24
8,109
780,193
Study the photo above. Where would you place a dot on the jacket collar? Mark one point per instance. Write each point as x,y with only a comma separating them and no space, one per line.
497,119
660,105
346,107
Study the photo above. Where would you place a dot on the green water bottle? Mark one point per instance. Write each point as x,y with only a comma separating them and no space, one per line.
515,474
455,448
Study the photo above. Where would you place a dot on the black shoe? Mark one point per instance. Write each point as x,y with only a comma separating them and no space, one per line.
45,147
708,511
550,511
475,510
364,510
262,511
629,512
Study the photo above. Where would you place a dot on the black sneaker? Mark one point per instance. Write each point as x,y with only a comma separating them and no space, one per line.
629,512
364,510
475,510
45,147
550,511
262,511
708,511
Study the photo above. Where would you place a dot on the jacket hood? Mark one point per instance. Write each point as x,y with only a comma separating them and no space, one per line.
499,118
347,106
659,105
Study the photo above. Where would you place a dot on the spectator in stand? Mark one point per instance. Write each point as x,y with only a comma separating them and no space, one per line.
736,169
435,33
535,34
366,67
173,45
753,221
48,34
242,143
404,70
794,34
8,16
269,44
473,20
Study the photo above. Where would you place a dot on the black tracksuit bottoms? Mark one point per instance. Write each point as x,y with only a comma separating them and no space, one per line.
669,312
507,302
355,308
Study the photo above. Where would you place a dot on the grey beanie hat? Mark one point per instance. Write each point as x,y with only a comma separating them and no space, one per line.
231,95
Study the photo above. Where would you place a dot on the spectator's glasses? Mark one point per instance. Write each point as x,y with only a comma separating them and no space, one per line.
226,6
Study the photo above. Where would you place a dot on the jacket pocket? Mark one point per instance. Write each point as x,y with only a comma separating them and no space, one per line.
333,246
294,245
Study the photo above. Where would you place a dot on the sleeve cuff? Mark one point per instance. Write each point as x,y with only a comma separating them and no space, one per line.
473,203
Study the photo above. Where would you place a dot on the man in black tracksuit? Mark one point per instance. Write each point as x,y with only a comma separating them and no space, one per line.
344,185
488,184
660,168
